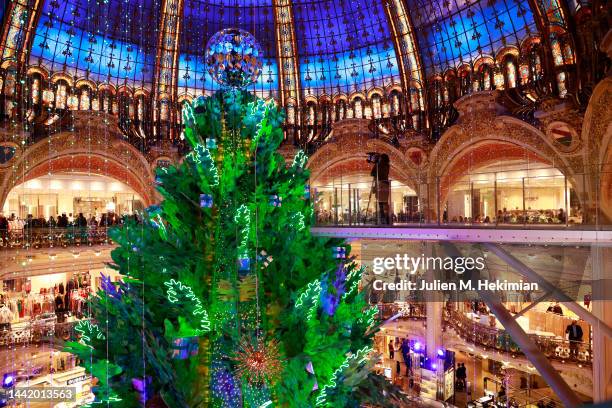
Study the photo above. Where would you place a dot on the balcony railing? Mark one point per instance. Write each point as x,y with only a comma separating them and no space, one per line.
37,331
491,338
553,347
52,237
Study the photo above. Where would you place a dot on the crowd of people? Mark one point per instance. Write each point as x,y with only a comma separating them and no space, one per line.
517,216
60,221
15,228
504,216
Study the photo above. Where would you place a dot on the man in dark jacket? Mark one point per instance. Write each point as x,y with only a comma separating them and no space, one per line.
62,221
4,226
574,335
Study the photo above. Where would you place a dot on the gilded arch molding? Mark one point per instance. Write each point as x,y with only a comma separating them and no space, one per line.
477,128
355,147
597,153
102,154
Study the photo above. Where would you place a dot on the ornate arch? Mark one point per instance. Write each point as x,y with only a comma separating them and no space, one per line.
351,147
459,138
597,153
104,154
490,138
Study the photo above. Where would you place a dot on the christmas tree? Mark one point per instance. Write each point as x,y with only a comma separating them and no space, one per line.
226,299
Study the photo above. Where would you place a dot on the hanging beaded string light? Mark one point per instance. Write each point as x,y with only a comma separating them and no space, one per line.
234,58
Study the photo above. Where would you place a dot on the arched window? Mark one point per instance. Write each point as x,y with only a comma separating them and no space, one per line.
9,84
535,64
358,108
395,103
524,73
73,101
466,83
556,52
290,114
510,73
498,79
311,114
35,84
568,54
84,102
164,110
48,96
376,106
341,110
105,101
414,99
95,104
61,95
140,108
486,77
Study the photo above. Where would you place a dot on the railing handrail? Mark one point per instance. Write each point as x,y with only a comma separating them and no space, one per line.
499,339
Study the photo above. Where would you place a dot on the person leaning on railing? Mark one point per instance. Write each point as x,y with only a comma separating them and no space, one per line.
574,335
4,227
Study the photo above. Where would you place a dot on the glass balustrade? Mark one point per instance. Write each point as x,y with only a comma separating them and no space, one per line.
539,198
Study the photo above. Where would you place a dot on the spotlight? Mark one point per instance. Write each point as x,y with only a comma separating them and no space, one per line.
8,381
417,346
434,366
441,353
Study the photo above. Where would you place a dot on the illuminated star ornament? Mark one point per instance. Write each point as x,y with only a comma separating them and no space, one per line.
260,362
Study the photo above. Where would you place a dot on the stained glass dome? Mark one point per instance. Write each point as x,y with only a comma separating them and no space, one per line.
340,46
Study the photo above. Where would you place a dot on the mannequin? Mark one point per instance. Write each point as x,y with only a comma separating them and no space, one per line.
6,316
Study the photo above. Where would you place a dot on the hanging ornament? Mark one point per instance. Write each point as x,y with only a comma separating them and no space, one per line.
307,192
260,362
206,200
234,58
211,143
339,252
310,370
244,264
154,210
144,388
264,258
184,347
332,289
276,201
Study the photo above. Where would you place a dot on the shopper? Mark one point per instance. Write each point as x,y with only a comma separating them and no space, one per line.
62,221
81,221
398,362
4,226
574,335
391,350
461,376
406,356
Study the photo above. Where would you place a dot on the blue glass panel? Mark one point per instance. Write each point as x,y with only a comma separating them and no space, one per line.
451,32
99,39
344,46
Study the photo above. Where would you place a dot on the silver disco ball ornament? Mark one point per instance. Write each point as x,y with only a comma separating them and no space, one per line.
234,58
